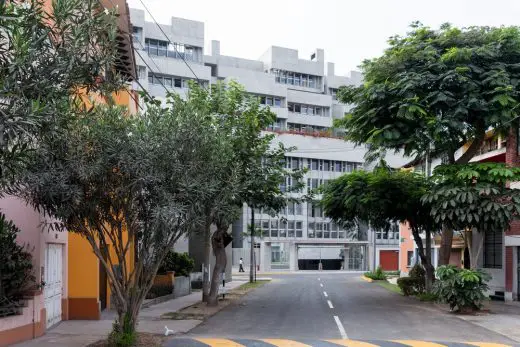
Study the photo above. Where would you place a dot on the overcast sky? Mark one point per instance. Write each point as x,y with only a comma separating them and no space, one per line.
348,30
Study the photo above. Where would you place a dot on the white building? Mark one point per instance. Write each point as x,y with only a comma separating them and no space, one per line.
302,93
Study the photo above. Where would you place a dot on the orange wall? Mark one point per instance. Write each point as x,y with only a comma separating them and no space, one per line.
83,268
407,244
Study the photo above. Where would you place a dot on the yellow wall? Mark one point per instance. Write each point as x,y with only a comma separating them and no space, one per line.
83,268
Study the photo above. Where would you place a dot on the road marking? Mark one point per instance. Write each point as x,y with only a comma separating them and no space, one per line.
219,342
325,293
330,304
319,279
284,343
342,331
415,343
321,285
352,343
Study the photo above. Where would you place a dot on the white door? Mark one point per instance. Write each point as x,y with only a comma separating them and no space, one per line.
53,282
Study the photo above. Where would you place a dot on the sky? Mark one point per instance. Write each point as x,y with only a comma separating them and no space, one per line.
348,30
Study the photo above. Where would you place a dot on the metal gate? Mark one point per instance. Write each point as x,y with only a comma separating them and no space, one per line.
53,282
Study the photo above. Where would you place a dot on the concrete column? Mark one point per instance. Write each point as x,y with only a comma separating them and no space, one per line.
293,256
508,295
267,257
262,256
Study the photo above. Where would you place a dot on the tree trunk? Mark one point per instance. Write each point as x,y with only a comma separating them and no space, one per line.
445,248
217,242
207,257
252,255
425,259
428,267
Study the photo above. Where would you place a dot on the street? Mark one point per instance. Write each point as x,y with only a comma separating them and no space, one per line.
333,306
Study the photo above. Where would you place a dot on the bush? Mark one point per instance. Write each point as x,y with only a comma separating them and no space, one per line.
393,273
158,290
16,269
415,283
181,263
427,297
122,336
377,275
462,289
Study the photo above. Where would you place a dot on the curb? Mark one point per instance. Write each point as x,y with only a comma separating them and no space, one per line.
367,279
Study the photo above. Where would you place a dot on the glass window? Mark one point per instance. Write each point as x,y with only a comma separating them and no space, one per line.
277,102
409,258
290,208
298,209
162,48
338,166
333,234
295,163
137,33
304,109
290,225
177,82
157,79
297,108
341,234
283,231
312,82
326,165
290,107
276,73
305,80
265,224
150,78
314,164
290,78
310,230
274,232
318,111
290,232
493,250
269,101
283,77
168,81
274,224
310,110
263,100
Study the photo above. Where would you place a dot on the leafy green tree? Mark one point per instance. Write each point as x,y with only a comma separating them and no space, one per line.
47,59
474,197
380,198
131,183
432,91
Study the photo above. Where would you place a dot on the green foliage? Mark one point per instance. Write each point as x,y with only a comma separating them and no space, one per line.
122,335
46,56
16,269
181,263
434,90
393,273
429,297
378,275
414,284
462,289
158,290
474,196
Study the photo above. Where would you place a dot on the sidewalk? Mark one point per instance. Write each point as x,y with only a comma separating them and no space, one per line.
80,333
504,318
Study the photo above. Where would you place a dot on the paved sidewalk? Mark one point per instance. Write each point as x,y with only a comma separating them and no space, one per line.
80,333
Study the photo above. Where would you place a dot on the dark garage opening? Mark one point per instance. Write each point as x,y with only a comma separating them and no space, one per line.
313,264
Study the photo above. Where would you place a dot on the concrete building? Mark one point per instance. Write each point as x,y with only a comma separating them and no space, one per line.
302,93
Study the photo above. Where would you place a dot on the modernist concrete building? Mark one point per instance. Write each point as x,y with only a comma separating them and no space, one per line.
302,93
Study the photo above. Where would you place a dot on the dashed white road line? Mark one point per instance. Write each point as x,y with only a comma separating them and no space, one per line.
319,279
321,285
330,304
342,331
325,293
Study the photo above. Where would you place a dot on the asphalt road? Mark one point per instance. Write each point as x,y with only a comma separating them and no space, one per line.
333,306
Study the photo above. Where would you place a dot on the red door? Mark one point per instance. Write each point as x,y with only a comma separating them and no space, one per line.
389,260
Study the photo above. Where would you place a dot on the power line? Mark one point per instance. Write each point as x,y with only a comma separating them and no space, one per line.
148,66
174,47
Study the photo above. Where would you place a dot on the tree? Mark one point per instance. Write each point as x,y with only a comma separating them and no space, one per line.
474,197
380,198
131,183
47,58
432,91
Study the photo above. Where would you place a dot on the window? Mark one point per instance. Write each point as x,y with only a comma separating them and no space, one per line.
168,81
319,230
298,209
296,79
177,83
333,92
277,102
297,108
283,229
304,109
409,259
162,48
299,229
137,33
150,78
326,165
290,208
269,101
310,230
311,82
314,164
141,72
283,77
493,250
157,79
290,107
337,166
295,163
290,78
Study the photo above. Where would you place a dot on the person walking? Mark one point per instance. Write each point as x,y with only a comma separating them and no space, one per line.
241,262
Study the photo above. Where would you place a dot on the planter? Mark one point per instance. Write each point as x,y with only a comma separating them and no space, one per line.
182,286
164,280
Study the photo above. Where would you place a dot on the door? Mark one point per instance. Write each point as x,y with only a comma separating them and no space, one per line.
389,260
53,282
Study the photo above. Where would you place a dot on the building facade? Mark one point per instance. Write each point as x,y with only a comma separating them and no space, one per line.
302,94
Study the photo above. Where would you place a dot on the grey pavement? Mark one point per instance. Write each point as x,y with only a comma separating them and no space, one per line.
79,333
295,307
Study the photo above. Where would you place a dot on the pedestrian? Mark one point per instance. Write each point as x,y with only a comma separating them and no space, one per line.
241,262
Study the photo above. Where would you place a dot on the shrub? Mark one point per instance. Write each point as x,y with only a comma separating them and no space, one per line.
393,273
158,290
408,285
377,275
181,263
462,289
419,274
427,297
122,335
16,269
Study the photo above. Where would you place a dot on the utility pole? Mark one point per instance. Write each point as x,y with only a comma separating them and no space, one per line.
252,255
374,243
